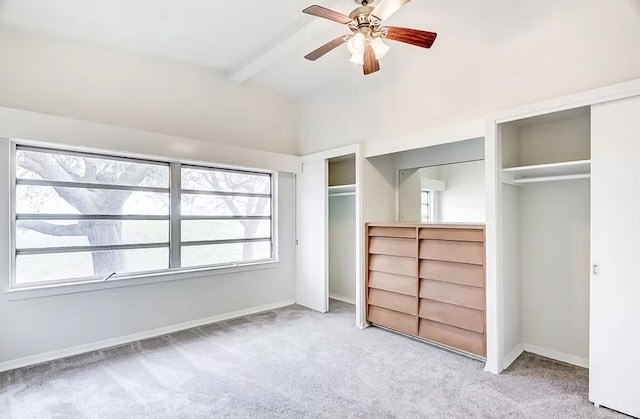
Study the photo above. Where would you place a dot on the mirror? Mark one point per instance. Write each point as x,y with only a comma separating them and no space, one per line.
451,193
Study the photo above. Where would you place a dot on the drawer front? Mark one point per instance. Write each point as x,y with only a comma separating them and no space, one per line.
452,336
452,251
393,265
470,235
401,284
457,273
392,246
406,232
461,295
393,301
392,319
462,317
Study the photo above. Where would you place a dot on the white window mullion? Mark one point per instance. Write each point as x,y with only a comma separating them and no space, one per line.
174,214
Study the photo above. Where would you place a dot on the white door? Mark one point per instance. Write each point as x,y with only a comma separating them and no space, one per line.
311,231
615,248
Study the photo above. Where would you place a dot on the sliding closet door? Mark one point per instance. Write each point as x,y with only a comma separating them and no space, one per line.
311,232
615,249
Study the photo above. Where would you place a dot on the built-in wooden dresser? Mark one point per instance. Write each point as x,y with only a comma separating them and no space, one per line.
428,280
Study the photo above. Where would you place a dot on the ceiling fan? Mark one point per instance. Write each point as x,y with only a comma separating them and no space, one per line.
365,43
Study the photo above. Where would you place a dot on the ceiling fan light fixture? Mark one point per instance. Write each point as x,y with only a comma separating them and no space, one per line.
379,47
366,43
356,44
357,59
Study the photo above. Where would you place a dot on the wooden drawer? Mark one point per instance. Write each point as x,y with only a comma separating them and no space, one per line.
392,319
393,265
393,301
392,246
452,251
462,317
406,232
461,295
452,336
457,234
457,273
401,284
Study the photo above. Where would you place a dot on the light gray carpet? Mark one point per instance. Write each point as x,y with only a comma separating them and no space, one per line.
291,363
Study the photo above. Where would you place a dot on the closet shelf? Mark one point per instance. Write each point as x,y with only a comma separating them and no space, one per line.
342,190
580,169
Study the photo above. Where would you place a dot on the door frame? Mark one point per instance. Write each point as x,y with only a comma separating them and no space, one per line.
497,360
354,149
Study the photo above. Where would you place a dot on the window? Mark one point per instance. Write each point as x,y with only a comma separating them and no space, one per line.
83,216
426,202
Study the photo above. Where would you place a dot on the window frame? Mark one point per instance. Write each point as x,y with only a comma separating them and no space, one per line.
179,244
174,192
429,204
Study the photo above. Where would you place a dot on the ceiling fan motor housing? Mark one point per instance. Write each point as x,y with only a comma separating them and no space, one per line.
360,17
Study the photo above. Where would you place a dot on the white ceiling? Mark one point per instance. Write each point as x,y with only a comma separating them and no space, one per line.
265,39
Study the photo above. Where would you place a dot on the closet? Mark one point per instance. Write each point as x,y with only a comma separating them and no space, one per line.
342,229
545,168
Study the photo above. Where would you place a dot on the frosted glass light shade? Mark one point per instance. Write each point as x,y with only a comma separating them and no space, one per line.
357,58
356,48
379,47
355,45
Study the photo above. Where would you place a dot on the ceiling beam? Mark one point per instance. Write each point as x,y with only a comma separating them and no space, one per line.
297,35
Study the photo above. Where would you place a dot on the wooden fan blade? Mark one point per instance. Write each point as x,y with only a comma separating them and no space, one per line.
329,46
371,63
323,12
416,37
388,7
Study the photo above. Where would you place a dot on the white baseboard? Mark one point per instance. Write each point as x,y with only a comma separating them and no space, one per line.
109,343
558,356
512,356
343,299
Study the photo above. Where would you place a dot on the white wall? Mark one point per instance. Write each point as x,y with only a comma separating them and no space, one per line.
463,200
33,327
342,171
510,303
67,78
342,251
482,62
555,141
378,189
554,246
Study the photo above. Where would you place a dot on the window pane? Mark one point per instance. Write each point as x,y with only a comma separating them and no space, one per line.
195,230
224,181
38,268
224,253
50,200
224,205
74,168
38,234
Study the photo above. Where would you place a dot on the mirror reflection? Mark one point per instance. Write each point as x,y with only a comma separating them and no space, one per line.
452,193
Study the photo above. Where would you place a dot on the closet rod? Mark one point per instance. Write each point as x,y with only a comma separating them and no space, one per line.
549,179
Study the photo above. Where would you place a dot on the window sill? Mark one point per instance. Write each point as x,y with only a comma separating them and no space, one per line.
134,280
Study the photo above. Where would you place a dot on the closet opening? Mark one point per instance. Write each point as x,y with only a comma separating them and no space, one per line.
342,257
545,244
